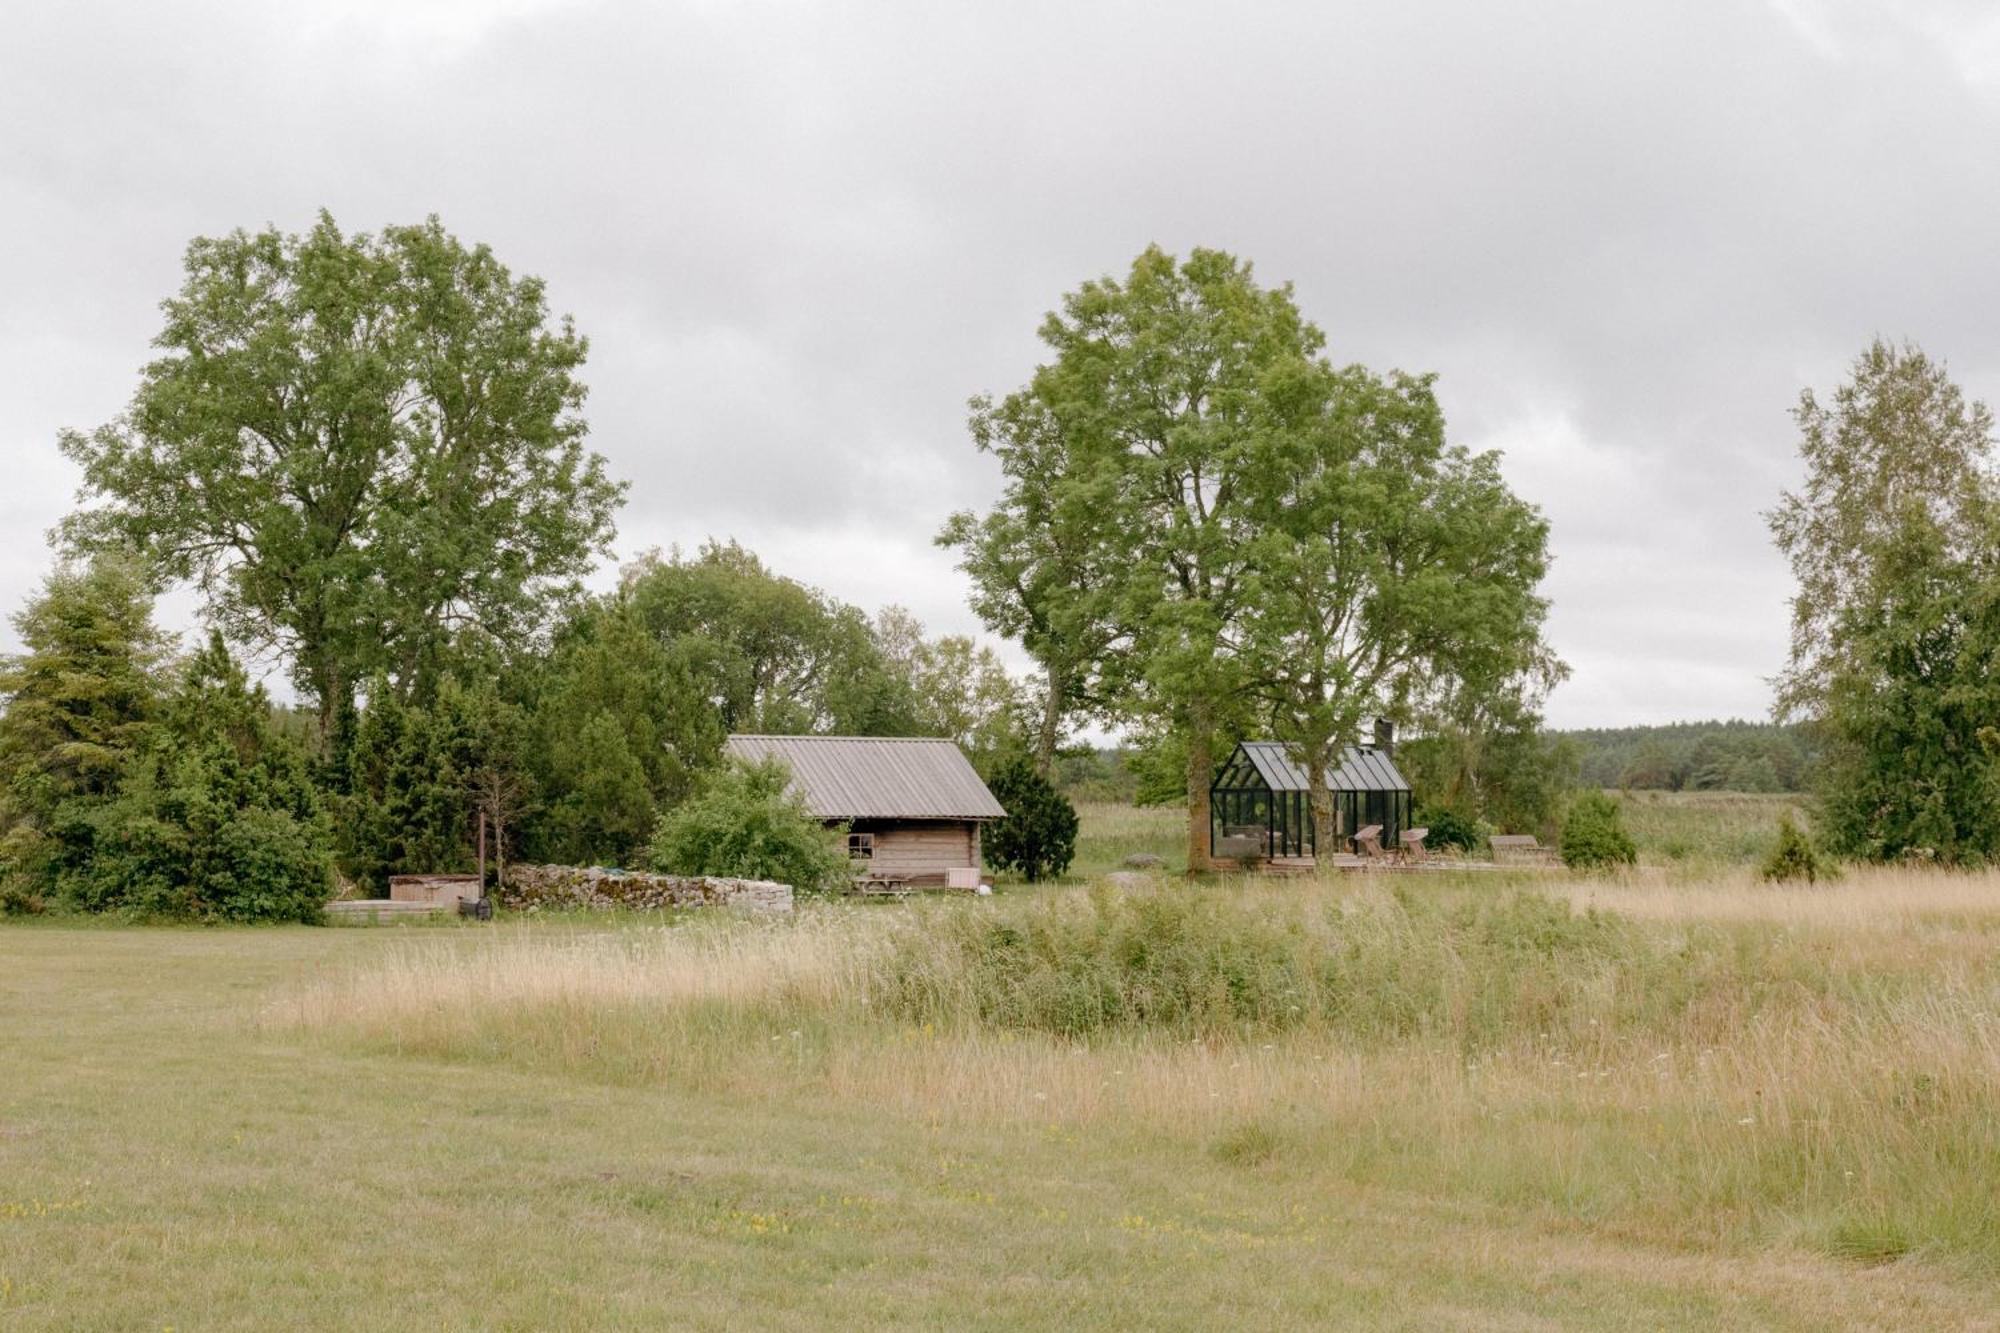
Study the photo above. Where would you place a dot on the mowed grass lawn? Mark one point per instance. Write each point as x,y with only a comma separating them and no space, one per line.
1709,1105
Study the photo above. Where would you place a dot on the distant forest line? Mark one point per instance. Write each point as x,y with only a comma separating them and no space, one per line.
1694,756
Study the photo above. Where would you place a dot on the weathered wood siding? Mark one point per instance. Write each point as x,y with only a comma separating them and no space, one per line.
922,851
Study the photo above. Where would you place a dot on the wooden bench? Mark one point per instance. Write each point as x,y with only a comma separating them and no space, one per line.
1521,849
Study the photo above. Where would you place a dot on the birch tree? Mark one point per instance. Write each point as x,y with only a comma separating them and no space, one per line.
1894,538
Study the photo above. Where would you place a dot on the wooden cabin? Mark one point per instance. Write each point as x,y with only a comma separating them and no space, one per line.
913,807
1258,808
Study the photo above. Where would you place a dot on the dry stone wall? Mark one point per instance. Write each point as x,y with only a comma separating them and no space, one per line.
545,888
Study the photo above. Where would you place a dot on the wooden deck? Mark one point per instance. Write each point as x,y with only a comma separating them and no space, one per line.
1345,861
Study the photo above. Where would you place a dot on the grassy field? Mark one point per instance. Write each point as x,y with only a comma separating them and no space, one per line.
1705,828
1698,830
1659,1101
1107,834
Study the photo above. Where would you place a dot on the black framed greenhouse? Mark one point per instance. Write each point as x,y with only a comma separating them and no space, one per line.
1258,805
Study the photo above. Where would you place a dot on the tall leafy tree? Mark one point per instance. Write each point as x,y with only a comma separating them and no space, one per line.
1894,539
958,689
356,446
1216,529
1390,572
1149,413
776,655
1042,561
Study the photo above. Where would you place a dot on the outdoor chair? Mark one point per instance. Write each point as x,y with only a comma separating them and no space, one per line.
1368,842
1413,843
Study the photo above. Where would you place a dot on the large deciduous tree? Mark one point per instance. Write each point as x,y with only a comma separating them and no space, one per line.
774,655
1895,656
958,689
1041,561
1206,527
1138,437
1391,573
357,446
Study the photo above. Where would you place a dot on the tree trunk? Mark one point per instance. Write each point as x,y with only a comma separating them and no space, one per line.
1200,772
1051,728
333,699
1319,796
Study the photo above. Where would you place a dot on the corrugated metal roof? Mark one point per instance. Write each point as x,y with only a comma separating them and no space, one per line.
1362,768
877,777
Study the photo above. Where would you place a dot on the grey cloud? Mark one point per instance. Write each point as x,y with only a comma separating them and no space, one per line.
800,236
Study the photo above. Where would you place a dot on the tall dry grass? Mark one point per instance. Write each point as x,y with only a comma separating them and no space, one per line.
1718,1064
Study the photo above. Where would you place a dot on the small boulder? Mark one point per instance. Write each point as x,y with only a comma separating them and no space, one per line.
1143,861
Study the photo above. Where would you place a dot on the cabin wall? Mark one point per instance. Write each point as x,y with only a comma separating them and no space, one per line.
922,851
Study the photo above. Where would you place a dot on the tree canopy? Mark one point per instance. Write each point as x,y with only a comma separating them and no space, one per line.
1735,755
1042,571
80,699
1894,539
775,655
1208,529
1392,574
357,446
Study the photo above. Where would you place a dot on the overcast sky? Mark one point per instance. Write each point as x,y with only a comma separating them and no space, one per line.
799,236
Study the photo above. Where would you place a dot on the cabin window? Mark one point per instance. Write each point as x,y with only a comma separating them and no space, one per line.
860,846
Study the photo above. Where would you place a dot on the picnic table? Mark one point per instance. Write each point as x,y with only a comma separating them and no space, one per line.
882,885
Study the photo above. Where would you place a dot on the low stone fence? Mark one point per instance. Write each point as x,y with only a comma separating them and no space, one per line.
534,888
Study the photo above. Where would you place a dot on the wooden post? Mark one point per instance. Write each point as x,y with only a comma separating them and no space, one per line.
482,851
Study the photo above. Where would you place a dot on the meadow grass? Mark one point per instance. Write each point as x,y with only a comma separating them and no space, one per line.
1405,1102
1698,831
1707,828
1110,832
1819,1072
